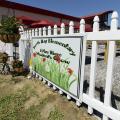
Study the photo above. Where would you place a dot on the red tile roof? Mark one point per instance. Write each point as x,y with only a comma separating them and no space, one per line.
42,23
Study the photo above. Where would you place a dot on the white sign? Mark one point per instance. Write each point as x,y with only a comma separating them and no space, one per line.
58,60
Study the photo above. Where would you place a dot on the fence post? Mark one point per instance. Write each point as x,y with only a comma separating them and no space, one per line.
71,31
55,33
114,21
62,32
49,33
21,45
44,34
21,49
82,30
82,26
30,45
55,29
44,31
29,34
36,32
62,29
93,63
26,33
82,60
40,31
49,30
111,56
32,32
71,27
10,51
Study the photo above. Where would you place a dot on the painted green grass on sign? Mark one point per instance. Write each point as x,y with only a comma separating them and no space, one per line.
54,70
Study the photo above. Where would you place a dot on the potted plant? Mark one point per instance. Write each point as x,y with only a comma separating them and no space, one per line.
9,30
17,66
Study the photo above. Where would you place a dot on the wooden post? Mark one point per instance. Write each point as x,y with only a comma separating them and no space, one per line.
106,52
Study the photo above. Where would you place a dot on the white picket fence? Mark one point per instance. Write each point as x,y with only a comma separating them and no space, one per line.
111,35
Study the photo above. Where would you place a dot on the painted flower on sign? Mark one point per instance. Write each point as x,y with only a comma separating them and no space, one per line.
57,58
44,59
34,55
55,70
70,71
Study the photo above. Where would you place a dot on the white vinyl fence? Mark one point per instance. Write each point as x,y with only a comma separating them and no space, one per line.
111,35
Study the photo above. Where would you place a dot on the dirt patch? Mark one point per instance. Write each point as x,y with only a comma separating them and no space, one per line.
18,86
41,90
5,90
31,101
46,110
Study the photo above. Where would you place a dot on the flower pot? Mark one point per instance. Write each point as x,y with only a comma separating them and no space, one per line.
21,69
18,70
7,38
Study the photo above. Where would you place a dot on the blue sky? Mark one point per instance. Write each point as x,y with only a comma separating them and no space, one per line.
74,7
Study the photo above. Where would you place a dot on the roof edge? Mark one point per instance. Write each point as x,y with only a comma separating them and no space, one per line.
96,14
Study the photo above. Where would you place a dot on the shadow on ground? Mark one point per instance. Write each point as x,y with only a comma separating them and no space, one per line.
88,60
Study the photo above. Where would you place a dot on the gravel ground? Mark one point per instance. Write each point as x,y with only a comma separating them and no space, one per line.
101,74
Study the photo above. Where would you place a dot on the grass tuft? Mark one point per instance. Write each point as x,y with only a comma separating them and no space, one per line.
56,115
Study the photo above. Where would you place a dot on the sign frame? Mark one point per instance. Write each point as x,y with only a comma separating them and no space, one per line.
81,37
